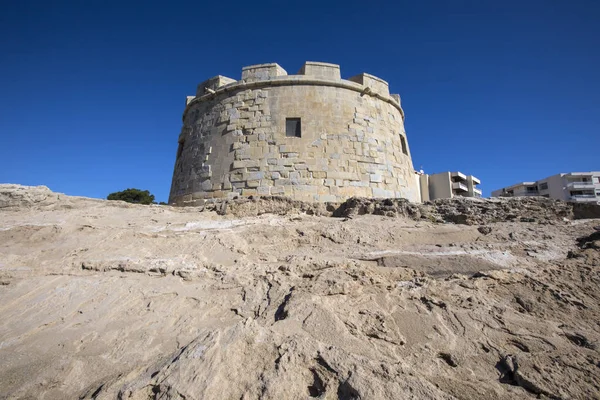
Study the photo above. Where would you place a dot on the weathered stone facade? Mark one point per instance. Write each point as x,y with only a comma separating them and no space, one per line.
352,140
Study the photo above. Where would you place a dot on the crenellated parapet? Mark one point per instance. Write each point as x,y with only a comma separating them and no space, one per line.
310,136
311,73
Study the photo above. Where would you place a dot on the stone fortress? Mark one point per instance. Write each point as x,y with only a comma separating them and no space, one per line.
311,136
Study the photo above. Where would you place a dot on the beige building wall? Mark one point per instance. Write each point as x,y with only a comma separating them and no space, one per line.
424,186
445,185
233,141
472,183
556,187
440,185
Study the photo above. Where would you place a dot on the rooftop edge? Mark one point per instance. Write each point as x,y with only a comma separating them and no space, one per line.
311,73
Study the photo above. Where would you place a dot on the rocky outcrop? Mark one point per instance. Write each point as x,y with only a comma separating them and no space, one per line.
273,299
15,197
278,205
472,211
586,210
386,207
459,210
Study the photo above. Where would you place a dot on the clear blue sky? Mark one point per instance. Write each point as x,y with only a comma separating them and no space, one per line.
92,92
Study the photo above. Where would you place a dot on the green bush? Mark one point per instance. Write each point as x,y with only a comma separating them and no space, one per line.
135,196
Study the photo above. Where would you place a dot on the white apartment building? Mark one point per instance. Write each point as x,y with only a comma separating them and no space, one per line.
447,185
571,186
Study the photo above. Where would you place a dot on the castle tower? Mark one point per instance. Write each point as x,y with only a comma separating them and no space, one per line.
311,136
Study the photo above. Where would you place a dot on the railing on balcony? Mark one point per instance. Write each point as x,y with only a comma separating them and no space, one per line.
460,186
579,184
459,174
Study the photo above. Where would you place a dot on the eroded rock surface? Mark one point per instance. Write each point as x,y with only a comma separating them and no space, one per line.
105,300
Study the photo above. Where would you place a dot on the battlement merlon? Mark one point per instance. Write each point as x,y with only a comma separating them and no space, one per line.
311,73
212,84
261,72
396,97
321,70
372,82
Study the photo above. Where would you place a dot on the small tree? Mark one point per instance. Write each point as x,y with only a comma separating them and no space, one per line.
135,196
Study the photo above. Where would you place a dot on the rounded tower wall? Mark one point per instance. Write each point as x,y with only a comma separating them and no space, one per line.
312,137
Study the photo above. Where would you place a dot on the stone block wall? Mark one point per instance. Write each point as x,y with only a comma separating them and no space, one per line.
233,141
374,83
262,72
321,70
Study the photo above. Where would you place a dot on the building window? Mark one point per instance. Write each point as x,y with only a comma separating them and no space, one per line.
544,186
403,142
531,189
293,127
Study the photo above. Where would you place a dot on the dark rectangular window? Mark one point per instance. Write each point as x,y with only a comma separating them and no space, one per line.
293,127
403,142
544,186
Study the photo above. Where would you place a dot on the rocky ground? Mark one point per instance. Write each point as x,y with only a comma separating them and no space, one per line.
275,299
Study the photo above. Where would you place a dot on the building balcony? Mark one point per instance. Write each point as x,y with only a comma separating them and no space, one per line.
477,191
580,185
459,186
580,174
476,181
458,176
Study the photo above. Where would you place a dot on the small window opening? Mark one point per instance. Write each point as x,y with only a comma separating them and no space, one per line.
180,149
293,127
403,141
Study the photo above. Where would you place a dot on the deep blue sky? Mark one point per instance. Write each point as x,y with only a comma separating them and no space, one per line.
92,92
